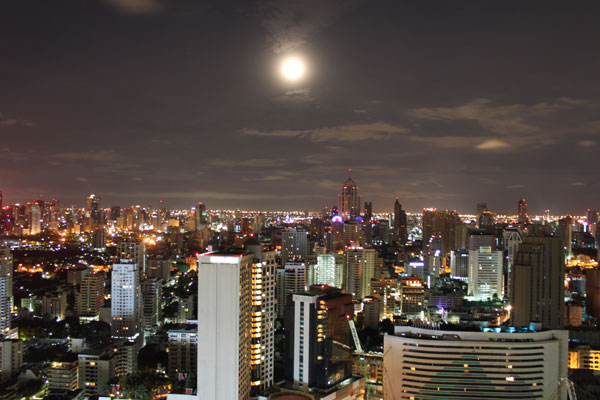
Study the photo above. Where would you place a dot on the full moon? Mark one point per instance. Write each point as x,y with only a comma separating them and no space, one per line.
292,69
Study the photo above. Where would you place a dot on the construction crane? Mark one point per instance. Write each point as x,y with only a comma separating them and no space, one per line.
363,366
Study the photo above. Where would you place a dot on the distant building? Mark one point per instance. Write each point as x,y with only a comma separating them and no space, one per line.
126,302
91,297
372,311
359,269
11,358
290,279
485,273
349,200
400,223
97,367
294,245
62,375
412,295
522,212
183,350
6,289
459,265
152,304
135,252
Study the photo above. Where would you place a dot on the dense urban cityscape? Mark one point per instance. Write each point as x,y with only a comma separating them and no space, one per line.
342,303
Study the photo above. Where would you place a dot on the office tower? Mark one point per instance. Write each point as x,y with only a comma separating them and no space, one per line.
538,283
459,265
522,212
440,224
35,218
225,312
352,233
512,238
565,232
6,289
115,213
400,223
329,271
11,358
481,208
93,210
592,292
158,267
135,252
200,215
359,269
349,200
485,273
62,374
372,311
183,351
432,268
294,245
126,302
455,364
481,238
290,279
91,297
99,239
368,214
263,316
412,295
152,305
96,369
317,338
54,305
126,360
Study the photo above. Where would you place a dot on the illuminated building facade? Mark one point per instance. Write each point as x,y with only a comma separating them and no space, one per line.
584,357
6,289
294,245
412,295
329,271
349,200
225,312
152,304
522,212
317,338
441,225
359,269
485,273
436,364
126,304
91,297
62,375
135,252
183,351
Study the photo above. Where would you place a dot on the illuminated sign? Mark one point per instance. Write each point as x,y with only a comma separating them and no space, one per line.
223,260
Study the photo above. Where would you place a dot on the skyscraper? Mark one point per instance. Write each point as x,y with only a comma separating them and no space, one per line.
400,222
134,251
328,270
359,269
152,304
485,273
91,297
294,245
349,200
565,232
538,283
200,215
440,224
290,279
523,216
317,338
6,289
224,338
93,210
126,305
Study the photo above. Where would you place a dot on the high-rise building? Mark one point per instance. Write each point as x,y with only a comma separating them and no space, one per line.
442,225
126,302
412,294
522,212
11,358
318,338
294,245
329,271
183,351
400,223
485,273
91,297
512,238
35,218
54,305
592,292
93,210
200,215
459,265
263,316
565,232
481,238
538,283
368,214
455,364
96,369
225,311
62,374
372,312
6,289
349,200
134,251
290,279
359,269
152,304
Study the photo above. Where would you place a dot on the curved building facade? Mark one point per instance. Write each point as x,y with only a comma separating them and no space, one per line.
434,364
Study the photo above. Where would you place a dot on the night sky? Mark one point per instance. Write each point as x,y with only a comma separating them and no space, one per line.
443,104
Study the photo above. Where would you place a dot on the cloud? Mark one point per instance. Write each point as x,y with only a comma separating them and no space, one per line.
252,163
344,133
517,186
296,96
492,144
501,119
81,179
136,179
290,23
135,6
577,184
4,121
587,143
99,155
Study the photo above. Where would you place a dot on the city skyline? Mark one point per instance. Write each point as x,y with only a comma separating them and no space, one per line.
441,105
